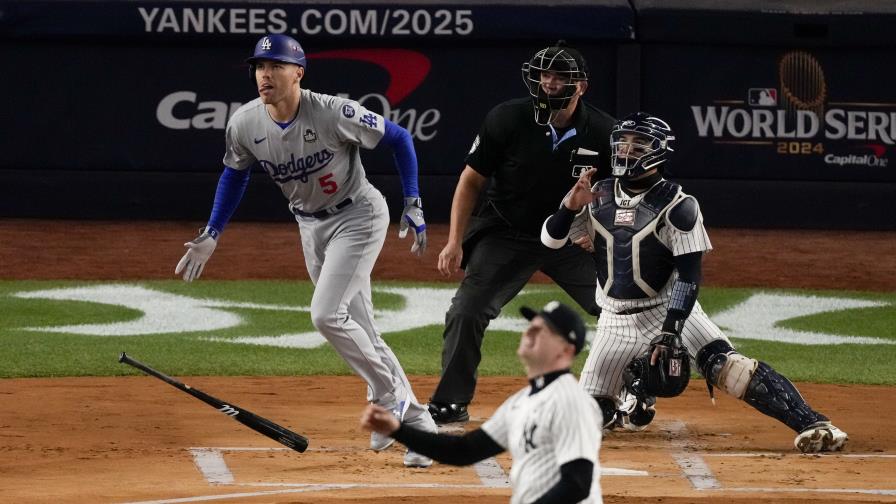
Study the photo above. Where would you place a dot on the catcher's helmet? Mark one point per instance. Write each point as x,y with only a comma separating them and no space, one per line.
649,149
278,47
562,60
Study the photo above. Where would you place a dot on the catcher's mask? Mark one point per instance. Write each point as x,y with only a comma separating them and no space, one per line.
570,67
639,143
668,378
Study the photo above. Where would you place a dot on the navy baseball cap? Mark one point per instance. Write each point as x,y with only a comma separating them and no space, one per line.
563,320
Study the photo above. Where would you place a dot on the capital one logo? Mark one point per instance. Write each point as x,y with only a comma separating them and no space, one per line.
185,109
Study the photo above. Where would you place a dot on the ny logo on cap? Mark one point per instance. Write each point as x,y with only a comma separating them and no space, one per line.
266,44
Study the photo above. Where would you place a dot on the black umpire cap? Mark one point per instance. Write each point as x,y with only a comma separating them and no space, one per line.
563,320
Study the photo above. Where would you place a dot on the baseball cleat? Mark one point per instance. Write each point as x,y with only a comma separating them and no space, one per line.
636,421
414,459
820,437
635,415
379,442
444,413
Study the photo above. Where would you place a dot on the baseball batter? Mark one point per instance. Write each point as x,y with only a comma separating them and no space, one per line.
648,241
309,143
550,427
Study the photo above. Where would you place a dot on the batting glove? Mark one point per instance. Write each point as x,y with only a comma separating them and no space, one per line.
412,217
198,252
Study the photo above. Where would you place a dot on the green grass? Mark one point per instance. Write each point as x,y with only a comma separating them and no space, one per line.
36,353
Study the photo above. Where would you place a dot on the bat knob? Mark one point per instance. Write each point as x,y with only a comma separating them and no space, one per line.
122,356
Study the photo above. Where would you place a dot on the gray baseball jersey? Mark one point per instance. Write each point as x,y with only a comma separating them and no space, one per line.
315,160
545,430
316,163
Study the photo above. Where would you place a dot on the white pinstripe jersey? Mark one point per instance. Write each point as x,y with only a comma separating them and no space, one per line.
315,160
676,240
545,430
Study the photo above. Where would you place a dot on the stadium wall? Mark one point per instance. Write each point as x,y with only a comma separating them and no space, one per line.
116,110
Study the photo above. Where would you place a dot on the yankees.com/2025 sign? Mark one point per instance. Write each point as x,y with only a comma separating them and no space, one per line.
326,21
405,72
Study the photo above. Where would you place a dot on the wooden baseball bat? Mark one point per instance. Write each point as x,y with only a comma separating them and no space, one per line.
257,423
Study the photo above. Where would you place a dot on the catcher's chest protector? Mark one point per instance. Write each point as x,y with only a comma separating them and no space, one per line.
632,263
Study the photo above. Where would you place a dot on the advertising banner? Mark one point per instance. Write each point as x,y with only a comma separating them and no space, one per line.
122,108
776,114
348,21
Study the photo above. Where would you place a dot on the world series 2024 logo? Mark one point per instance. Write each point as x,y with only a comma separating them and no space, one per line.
795,116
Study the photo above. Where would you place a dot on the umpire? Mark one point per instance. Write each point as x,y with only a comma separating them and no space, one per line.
528,162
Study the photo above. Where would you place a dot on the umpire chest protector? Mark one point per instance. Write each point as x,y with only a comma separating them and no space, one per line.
632,262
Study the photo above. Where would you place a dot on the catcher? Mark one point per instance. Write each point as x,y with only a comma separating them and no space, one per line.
648,240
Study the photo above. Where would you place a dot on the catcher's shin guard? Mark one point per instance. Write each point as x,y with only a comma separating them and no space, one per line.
777,397
757,384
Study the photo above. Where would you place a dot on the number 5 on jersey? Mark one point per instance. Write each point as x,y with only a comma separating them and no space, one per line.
329,186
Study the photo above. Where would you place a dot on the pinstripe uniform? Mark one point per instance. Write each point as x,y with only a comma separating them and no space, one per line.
629,321
545,430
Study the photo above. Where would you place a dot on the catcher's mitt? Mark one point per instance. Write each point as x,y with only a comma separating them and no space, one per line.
668,377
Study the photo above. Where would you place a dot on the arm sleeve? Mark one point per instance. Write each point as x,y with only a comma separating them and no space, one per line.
555,230
684,291
574,484
402,145
449,449
231,187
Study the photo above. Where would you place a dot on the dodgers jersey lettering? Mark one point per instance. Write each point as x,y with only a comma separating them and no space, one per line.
315,160
545,430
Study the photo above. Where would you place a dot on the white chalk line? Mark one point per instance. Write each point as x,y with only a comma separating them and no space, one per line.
311,487
211,464
866,491
691,463
813,455
701,477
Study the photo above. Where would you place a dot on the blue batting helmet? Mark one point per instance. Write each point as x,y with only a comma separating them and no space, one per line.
278,47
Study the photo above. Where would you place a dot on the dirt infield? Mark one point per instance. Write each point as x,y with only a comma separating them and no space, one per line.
36,249
134,439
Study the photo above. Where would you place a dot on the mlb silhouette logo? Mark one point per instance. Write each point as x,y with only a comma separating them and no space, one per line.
762,97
